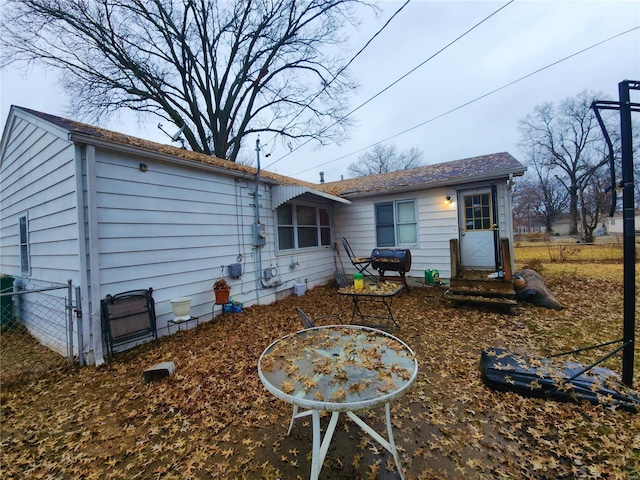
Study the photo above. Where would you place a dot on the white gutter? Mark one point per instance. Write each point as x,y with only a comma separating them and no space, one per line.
94,257
84,326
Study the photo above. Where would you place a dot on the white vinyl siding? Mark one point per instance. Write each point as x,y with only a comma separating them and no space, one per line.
177,229
38,218
437,223
38,177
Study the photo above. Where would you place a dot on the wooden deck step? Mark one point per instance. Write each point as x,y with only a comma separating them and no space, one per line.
480,299
482,291
482,288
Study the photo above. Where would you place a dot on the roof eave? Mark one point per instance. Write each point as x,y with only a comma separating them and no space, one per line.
165,157
506,174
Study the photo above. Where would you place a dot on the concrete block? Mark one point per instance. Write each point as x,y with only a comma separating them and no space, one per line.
159,371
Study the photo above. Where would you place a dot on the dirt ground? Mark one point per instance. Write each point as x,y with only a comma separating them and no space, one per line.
214,419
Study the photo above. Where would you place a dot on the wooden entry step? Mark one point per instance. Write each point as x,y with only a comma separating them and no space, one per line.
488,292
486,288
479,299
475,287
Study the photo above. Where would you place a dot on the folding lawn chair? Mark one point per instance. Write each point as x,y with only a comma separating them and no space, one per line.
127,317
361,263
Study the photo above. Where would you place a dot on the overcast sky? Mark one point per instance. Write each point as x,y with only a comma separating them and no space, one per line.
522,38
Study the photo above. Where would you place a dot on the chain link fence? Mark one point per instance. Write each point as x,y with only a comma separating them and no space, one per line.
36,329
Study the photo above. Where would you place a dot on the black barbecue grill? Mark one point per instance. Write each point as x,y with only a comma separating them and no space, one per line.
392,260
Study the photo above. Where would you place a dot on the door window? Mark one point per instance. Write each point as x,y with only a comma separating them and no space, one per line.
477,212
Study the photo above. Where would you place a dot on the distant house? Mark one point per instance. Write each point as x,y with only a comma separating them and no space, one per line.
608,225
529,224
614,226
114,213
562,224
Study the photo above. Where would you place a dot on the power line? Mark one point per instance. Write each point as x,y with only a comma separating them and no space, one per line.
339,72
472,101
395,82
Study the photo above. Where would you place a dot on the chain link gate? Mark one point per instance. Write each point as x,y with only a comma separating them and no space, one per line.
36,329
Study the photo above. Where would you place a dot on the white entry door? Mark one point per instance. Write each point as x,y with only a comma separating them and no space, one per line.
477,229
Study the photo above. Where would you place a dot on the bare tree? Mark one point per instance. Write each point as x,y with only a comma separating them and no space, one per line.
540,193
566,140
385,158
222,69
595,203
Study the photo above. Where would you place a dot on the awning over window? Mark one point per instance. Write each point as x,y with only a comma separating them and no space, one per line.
283,193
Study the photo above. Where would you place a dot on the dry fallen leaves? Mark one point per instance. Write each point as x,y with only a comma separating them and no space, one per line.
214,419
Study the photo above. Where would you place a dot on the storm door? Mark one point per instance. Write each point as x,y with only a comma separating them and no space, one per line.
478,226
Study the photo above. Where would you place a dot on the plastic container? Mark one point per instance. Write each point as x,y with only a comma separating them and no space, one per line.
299,288
428,277
431,277
181,307
358,282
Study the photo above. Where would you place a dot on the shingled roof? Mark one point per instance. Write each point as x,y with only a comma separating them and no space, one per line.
467,170
485,167
78,129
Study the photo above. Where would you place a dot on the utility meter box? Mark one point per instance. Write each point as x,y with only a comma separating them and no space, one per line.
259,235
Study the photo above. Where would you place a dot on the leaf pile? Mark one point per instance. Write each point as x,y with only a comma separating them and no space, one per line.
214,419
337,365
381,288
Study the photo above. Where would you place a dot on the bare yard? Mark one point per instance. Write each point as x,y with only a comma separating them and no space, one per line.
214,419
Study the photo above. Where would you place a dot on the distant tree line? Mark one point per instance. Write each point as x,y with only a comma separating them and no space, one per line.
568,164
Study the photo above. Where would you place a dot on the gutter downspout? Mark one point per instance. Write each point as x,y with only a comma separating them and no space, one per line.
94,257
82,292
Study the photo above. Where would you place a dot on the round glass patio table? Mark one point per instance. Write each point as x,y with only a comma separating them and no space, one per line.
339,368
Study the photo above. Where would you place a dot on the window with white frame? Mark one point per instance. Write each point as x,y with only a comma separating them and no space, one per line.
396,223
25,264
303,226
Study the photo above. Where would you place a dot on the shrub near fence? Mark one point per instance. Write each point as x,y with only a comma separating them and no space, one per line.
573,252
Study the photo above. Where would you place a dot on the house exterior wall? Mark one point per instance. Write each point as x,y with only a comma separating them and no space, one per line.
607,226
312,265
175,227
178,228
437,225
38,179
615,224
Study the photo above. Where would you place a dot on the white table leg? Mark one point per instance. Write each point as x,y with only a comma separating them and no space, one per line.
389,444
394,450
321,445
293,417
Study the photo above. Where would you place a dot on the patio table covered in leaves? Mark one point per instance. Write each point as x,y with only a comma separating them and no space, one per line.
339,369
